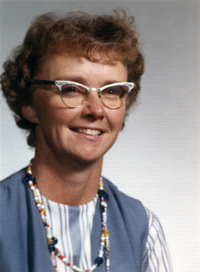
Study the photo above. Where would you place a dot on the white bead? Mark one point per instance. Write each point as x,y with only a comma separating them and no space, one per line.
38,194
64,260
93,267
48,232
74,267
100,253
104,217
32,188
104,204
107,263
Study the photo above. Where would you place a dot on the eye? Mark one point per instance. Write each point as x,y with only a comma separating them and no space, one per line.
71,90
115,91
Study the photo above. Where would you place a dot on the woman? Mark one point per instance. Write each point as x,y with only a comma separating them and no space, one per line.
70,86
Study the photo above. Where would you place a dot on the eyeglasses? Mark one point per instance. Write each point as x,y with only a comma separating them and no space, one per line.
74,94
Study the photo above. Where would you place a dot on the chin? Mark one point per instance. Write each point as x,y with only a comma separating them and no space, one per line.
87,160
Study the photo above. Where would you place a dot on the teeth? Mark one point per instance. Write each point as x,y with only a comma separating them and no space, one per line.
89,131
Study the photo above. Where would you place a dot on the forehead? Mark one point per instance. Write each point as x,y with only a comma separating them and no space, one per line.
62,66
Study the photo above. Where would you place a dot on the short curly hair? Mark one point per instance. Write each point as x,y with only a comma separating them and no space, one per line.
112,37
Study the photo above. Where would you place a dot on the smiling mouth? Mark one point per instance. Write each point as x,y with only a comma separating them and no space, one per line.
93,132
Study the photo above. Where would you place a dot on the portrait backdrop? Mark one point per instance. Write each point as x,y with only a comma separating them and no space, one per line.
156,157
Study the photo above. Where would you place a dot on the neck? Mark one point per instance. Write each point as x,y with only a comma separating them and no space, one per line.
67,183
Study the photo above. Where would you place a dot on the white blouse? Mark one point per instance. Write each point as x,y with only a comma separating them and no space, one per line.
72,226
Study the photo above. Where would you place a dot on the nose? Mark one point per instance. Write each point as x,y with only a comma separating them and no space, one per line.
93,106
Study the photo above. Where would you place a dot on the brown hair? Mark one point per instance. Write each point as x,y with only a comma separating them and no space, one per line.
113,37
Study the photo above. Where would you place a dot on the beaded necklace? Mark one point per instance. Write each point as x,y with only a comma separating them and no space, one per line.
52,241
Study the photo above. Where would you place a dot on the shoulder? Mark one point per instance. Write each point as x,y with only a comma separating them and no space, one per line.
129,209
15,176
12,184
122,198
129,215
141,222
13,198
134,210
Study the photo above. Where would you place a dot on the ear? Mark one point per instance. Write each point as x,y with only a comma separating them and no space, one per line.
29,113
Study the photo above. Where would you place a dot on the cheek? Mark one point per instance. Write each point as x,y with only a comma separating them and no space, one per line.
116,118
57,115
47,103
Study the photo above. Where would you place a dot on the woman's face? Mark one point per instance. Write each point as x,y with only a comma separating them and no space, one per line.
85,133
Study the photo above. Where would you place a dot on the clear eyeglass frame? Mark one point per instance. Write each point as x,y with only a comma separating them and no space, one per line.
61,83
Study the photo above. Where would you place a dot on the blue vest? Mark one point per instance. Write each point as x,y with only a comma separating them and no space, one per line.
23,243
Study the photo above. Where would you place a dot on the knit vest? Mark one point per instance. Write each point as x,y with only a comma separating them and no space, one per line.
23,243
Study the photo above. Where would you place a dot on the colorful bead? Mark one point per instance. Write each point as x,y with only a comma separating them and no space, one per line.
54,240
98,261
51,248
103,194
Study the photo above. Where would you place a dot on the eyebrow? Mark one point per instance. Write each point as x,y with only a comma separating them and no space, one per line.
72,78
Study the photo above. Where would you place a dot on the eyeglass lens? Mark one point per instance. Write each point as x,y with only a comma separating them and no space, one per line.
112,97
